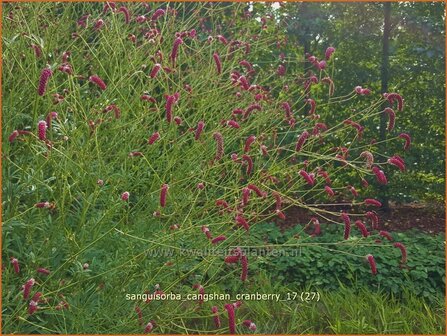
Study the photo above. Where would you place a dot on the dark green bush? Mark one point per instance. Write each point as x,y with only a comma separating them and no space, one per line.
328,265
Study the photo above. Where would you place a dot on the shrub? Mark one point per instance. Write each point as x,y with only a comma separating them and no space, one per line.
161,131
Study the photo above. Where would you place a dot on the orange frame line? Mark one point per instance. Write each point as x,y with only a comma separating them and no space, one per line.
268,1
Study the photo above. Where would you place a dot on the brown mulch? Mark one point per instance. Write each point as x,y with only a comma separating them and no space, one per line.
400,217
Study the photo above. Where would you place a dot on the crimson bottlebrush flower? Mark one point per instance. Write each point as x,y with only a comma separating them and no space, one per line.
155,70
321,65
201,292
317,227
308,177
42,130
218,63
240,220
372,201
258,191
357,126
369,158
281,71
15,265
216,317
391,116
264,150
178,120
248,143
347,222
232,259
287,109
329,191
37,50
148,328
398,162
380,175
206,231
43,205
13,136
222,203
246,64
27,288
329,52
32,307
139,314
163,194
43,270
170,100
140,19
325,175
98,81
395,96
278,201
328,80
178,41
235,158
237,304
362,228
353,191
245,196
246,158
157,14
280,214
244,264
386,234
233,124
199,129
222,39
115,109
231,318
237,111
62,305
243,82
50,117
374,219
126,13
43,81
154,137
125,196
372,263
312,104
301,140
251,108
319,127
135,154
219,146
200,185
250,325
107,6
403,251
407,139
365,183
148,98
98,24
218,239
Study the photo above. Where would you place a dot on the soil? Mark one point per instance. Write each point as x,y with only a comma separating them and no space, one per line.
429,218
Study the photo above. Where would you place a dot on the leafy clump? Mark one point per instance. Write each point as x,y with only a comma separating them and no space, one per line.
154,123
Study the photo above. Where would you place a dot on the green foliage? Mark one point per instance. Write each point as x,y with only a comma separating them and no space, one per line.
98,247
322,263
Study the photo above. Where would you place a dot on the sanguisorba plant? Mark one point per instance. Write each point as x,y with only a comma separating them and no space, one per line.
131,129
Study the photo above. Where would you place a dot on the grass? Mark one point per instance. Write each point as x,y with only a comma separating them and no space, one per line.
99,247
